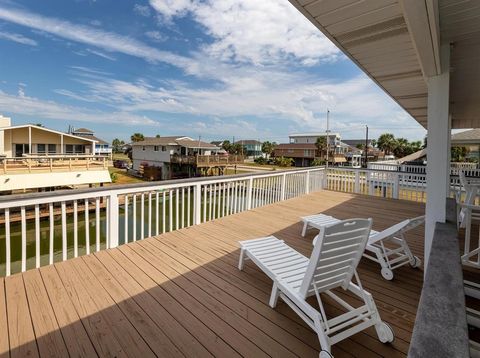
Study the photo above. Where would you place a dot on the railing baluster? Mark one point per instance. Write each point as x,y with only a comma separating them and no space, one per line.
182,210
214,200
8,253
177,197
97,224
157,218
125,219
188,206
210,202
75,229
142,216
170,210
51,233
149,214
24,239
164,222
87,228
228,198
134,219
37,236
204,203
64,231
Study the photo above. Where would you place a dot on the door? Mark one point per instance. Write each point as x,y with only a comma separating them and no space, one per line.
21,149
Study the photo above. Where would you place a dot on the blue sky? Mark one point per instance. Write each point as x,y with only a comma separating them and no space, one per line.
215,69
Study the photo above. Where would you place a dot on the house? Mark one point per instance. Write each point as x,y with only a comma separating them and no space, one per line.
334,140
176,156
252,147
356,143
101,147
33,157
469,139
303,154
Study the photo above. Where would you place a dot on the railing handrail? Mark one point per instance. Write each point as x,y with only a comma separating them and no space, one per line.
76,194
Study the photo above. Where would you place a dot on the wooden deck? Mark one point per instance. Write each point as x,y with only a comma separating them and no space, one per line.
181,294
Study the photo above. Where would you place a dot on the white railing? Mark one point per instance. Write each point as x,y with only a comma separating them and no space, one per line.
470,168
43,228
389,183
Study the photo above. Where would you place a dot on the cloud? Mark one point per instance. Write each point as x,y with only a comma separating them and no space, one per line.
101,54
156,36
108,41
261,32
142,10
18,38
37,108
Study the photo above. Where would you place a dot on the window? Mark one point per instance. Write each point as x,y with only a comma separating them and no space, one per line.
79,149
69,149
41,148
52,148
164,148
307,153
143,148
155,148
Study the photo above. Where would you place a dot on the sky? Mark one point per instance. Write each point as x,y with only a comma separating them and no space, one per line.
215,69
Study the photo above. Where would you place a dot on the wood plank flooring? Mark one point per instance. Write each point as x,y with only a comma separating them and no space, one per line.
181,295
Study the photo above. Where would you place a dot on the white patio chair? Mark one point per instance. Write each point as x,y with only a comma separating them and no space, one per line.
388,258
332,264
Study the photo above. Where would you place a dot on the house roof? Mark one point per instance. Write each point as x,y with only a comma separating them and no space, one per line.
314,134
355,142
82,130
414,156
175,140
49,130
467,137
90,136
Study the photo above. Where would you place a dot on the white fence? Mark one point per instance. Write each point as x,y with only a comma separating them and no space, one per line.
40,229
470,169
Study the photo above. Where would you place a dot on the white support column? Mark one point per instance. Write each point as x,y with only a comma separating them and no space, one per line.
438,148
61,144
29,140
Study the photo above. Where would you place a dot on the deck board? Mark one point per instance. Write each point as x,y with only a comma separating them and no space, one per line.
181,294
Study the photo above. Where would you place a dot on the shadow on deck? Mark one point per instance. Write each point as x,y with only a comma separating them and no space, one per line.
181,294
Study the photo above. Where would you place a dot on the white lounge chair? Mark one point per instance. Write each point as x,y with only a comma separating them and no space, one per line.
332,264
388,258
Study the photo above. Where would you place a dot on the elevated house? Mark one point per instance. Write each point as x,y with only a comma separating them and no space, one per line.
33,157
101,147
177,157
252,148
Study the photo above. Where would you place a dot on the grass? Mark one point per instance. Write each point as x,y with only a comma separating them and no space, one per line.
121,156
123,177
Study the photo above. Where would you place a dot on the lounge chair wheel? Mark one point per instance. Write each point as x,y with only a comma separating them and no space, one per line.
416,262
387,274
325,354
385,333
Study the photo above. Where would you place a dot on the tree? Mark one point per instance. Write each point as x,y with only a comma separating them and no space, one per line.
226,146
117,145
283,162
157,136
387,142
137,137
360,146
373,142
268,148
458,154
321,145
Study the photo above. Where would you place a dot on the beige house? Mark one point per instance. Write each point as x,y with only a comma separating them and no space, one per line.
37,157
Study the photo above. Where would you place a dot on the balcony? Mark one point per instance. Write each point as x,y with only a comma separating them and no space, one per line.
207,160
181,294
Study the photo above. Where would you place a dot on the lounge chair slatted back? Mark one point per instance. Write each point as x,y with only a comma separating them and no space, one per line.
336,256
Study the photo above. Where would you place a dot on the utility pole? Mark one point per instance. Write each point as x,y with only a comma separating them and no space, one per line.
328,137
366,146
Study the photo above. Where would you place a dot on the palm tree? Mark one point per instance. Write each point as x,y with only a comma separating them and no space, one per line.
137,137
387,143
268,148
321,145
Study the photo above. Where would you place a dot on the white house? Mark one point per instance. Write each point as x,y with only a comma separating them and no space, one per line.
32,156
101,147
334,140
169,153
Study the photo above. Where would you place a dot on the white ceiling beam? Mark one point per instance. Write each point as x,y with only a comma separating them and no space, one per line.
421,17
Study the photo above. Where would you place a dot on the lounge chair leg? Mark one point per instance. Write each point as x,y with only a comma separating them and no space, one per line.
241,262
323,339
304,230
274,295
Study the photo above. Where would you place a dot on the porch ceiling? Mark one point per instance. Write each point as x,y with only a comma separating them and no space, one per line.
396,43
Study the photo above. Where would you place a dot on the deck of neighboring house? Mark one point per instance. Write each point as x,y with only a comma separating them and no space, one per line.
181,294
